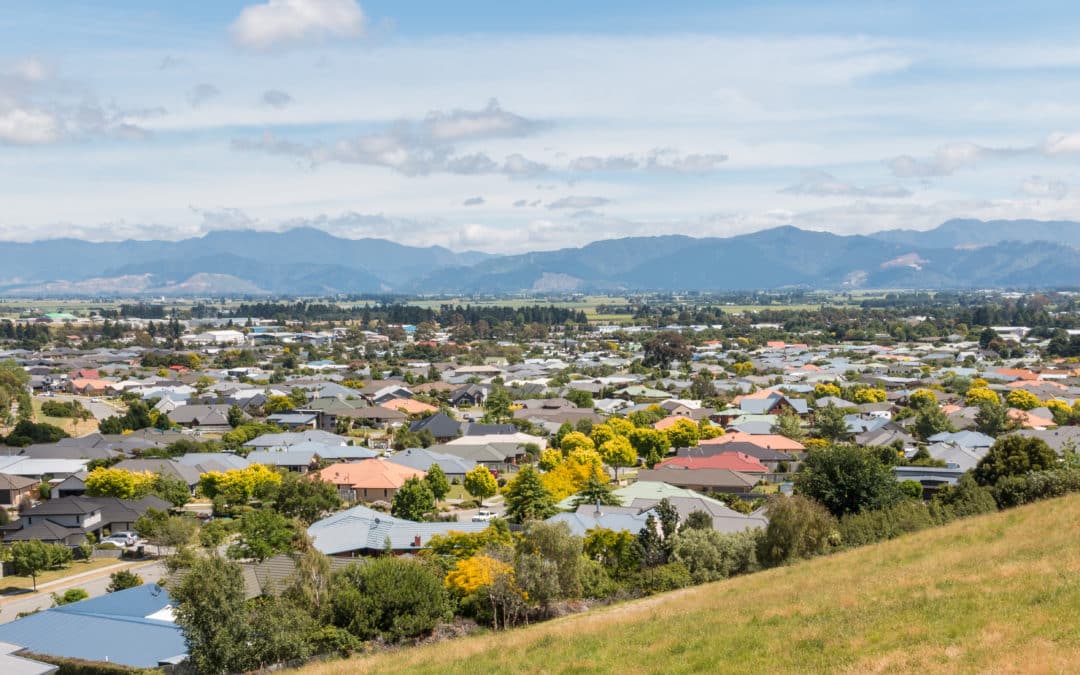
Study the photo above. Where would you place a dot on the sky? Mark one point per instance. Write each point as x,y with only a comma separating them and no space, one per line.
512,126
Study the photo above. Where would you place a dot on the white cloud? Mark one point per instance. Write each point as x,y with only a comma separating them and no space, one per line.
473,201
28,127
417,148
275,98
668,159
578,202
31,70
201,94
1045,188
285,23
823,184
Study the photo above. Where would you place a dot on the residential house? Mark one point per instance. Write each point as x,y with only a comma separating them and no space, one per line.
361,531
422,459
368,480
733,461
15,490
702,480
204,417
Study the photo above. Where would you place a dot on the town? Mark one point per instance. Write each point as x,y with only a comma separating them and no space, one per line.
234,486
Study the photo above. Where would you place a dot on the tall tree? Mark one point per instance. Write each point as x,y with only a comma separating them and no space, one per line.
527,498
1014,456
664,348
437,481
414,500
210,611
480,483
830,423
847,479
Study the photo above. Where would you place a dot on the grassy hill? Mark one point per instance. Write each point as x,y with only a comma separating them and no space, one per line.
996,593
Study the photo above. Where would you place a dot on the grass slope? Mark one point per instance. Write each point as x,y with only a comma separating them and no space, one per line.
996,593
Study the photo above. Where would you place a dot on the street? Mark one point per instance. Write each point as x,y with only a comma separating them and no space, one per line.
94,583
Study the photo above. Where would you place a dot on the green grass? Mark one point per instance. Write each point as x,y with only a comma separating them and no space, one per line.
998,593
13,583
72,426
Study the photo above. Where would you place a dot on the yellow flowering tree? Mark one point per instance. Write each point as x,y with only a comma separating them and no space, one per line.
108,482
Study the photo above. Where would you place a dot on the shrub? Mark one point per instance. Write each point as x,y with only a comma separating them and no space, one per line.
966,498
663,578
1017,490
858,529
710,555
71,595
1014,456
388,598
798,527
122,580
847,479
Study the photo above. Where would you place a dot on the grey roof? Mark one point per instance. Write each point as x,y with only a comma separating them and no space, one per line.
166,467
725,519
286,439
440,425
610,518
288,457
1059,439
364,529
293,418
967,439
422,459
203,460
114,627
12,664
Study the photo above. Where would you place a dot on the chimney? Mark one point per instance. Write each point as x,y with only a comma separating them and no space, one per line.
416,541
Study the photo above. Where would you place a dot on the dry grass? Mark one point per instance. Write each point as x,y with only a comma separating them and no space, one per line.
74,427
12,582
998,593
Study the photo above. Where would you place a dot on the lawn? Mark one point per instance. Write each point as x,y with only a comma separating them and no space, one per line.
997,593
13,582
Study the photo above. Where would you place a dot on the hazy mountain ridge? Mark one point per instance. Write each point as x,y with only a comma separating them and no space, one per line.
308,261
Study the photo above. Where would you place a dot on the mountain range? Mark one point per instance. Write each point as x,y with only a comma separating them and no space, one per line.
306,261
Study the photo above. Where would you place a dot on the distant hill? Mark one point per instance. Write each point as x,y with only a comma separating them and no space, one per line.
996,593
307,261
970,233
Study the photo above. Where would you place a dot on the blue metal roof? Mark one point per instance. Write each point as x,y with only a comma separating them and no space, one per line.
113,627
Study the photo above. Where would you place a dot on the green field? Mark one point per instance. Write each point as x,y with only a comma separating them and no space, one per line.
997,593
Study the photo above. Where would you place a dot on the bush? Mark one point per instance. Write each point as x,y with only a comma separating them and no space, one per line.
1018,490
663,578
966,498
596,582
1014,456
847,479
71,595
798,528
868,527
710,555
122,580
389,599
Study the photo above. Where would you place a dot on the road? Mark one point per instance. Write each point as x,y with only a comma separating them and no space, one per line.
93,583
491,504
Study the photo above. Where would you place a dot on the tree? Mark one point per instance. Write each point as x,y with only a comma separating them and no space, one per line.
414,500
235,416
1022,399
103,482
847,479
305,498
710,555
580,398
545,553
388,598
480,483
210,610
173,490
597,492
437,481
868,395
789,425
122,580
30,558
651,444
683,434
702,387
992,419
573,473
931,420
825,389
527,498
1014,456
574,441
830,423
166,531
263,533
698,520
922,398
663,348
980,396
618,452
549,459
497,405
798,527
650,544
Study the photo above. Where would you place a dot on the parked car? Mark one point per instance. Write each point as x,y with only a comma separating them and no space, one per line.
484,516
121,539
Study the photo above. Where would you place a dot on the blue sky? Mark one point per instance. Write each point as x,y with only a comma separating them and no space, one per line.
515,126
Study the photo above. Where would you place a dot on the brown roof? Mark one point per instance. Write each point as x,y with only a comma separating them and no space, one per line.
369,473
